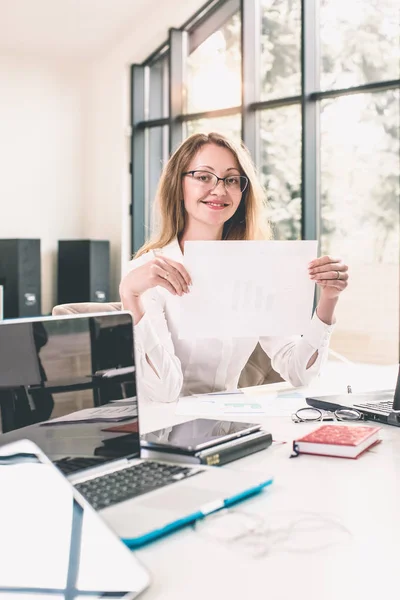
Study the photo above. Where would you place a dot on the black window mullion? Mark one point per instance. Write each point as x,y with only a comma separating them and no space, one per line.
376,86
213,20
138,155
250,10
165,86
310,120
155,89
178,44
210,114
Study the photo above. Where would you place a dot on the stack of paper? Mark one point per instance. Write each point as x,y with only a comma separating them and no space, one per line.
100,414
273,403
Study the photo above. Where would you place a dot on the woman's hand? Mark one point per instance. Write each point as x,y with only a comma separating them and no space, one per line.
331,274
161,271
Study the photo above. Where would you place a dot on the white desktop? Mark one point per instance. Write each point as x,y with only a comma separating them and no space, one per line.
326,529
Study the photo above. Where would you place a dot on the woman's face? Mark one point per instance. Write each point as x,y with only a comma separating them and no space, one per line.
207,204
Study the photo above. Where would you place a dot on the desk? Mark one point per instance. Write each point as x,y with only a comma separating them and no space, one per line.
362,495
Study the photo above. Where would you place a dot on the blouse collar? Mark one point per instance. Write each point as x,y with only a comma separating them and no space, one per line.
173,250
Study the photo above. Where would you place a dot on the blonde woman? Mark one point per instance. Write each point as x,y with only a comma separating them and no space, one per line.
209,191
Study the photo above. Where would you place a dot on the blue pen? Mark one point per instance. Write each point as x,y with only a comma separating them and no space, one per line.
207,509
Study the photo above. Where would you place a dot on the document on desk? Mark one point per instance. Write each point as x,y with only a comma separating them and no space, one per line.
247,289
267,404
98,414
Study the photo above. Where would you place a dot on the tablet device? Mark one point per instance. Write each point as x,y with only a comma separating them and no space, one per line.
53,544
197,434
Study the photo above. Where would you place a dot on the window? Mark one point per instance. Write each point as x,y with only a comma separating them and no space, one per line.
158,88
360,218
312,87
214,70
229,126
280,45
360,42
156,157
280,169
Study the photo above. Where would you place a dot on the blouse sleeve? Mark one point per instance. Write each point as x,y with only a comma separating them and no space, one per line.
153,340
289,356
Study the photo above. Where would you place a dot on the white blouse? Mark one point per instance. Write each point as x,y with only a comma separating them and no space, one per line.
187,367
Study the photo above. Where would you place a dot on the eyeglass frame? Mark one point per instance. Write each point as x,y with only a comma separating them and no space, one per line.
218,178
327,415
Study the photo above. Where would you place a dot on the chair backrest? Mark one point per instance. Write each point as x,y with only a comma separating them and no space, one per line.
85,307
257,371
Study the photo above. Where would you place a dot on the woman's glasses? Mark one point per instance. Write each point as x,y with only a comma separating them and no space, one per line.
304,415
209,181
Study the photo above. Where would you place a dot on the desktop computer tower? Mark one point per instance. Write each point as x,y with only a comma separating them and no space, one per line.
20,276
83,271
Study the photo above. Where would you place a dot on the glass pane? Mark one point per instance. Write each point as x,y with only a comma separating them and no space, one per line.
229,126
158,96
214,70
280,168
280,64
360,219
360,42
157,156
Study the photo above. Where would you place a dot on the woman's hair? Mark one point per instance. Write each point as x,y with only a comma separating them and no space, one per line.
249,221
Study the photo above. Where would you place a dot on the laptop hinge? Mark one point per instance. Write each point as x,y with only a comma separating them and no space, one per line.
396,399
394,419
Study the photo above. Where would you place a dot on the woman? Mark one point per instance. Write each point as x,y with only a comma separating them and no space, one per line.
209,191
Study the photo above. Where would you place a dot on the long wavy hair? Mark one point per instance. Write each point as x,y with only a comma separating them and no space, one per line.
249,221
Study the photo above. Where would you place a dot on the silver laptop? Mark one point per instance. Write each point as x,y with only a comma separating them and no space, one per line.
53,544
69,385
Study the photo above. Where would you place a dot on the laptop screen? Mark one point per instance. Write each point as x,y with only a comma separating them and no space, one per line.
68,384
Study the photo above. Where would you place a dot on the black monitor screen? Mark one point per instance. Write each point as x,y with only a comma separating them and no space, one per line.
65,382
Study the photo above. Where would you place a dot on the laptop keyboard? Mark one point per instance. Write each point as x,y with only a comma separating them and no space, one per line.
128,483
69,464
385,406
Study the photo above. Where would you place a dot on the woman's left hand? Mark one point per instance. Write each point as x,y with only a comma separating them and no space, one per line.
331,274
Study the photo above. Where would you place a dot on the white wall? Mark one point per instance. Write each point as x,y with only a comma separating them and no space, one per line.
106,181
64,152
41,157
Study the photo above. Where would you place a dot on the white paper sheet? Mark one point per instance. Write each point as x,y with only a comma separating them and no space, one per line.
107,413
272,404
247,289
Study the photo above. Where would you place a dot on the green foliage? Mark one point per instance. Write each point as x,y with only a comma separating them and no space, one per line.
359,134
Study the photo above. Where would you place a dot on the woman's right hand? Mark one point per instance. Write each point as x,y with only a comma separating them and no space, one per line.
161,271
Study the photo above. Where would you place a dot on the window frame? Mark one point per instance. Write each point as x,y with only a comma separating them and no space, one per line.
184,40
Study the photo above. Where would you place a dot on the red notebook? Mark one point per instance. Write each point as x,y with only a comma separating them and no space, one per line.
347,441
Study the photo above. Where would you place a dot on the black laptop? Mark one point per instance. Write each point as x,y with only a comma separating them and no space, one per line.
377,405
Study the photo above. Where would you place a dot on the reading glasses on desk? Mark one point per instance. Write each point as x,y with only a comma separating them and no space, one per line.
305,415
